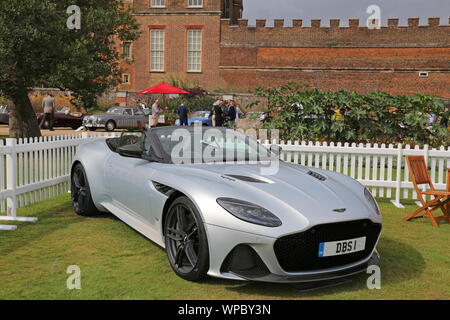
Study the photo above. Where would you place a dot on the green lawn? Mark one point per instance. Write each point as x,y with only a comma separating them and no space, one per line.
118,263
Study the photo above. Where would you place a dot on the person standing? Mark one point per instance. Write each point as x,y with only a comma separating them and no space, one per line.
156,111
183,115
218,113
231,114
239,113
48,104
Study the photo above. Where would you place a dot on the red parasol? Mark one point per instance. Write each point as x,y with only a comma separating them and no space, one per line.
163,88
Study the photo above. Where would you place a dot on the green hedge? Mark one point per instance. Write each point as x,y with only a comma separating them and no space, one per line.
376,117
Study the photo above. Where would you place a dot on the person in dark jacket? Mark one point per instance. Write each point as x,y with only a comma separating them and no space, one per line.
183,114
231,114
218,113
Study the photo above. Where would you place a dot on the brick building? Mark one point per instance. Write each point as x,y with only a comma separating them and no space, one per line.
206,42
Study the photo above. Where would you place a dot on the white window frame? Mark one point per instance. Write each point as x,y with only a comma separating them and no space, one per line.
195,3
157,3
123,78
157,50
130,56
194,50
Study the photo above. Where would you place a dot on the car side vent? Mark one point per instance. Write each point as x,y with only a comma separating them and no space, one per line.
166,190
316,175
245,178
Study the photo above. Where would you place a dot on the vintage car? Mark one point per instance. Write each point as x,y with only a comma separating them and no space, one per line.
116,118
64,118
217,214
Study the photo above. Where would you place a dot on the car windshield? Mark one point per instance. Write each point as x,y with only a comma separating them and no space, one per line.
115,110
64,110
189,145
201,114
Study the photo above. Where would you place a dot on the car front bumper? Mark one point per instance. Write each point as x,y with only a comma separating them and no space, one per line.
318,277
89,124
263,265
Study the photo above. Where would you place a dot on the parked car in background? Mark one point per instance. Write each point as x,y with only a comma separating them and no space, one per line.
4,115
116,118
203,117
64,118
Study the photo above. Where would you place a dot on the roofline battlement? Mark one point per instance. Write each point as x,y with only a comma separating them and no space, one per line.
433,22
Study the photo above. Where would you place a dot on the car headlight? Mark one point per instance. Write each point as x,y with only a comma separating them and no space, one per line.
249,212
372,201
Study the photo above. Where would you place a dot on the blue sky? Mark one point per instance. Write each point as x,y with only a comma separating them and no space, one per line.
344,9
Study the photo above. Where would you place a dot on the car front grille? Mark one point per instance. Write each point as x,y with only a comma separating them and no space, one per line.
299,252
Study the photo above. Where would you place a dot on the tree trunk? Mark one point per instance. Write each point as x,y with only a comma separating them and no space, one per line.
22,119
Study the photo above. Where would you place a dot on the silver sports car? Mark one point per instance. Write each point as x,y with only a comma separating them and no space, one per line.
222,205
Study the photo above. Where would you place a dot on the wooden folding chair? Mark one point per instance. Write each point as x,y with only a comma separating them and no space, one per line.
419,176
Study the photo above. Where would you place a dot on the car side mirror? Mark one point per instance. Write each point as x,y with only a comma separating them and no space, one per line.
131,151
276,149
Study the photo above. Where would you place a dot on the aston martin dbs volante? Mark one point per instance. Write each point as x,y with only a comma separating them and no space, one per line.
222,205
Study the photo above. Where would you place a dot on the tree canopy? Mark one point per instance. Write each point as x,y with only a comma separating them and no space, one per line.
37,48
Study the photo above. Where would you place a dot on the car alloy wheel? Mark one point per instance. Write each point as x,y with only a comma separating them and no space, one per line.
185,240
81,195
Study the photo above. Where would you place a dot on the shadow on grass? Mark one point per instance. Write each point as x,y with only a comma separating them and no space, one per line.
399,262
51,218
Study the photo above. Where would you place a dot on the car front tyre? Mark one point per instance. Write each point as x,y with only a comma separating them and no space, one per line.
81,193
186,241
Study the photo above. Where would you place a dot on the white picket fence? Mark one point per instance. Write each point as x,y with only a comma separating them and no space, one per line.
34,170
38,169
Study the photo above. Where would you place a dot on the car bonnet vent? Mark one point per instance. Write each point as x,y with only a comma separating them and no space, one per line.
245,178
316,175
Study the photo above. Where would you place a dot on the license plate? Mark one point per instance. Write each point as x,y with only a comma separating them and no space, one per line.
337,248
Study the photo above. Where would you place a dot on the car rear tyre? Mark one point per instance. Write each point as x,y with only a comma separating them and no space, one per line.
110,126
186,241
81,193
92,129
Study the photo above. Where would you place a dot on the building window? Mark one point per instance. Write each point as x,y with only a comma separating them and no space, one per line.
157,50
158,4
127,50
194,51
195,3
126,78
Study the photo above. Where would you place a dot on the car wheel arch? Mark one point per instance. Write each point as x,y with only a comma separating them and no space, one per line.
175,194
